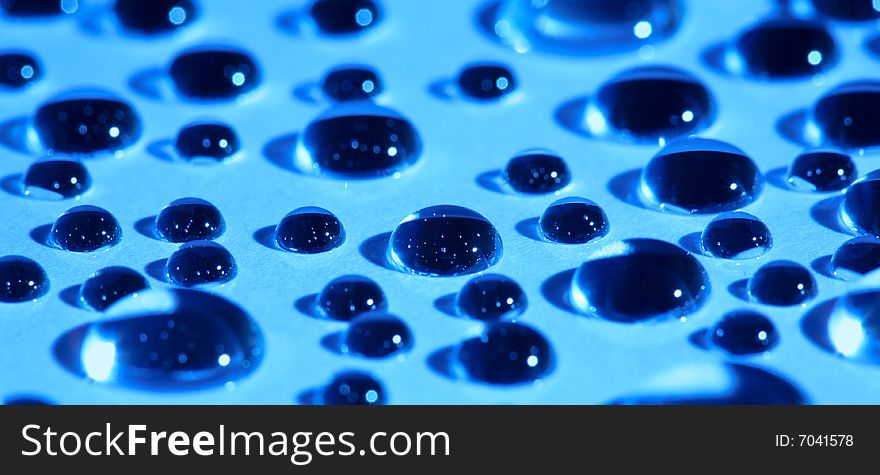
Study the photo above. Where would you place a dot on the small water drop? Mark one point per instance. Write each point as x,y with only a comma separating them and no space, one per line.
744,332
214,141
87,125
537,172
491,297
349,296
377,336
85,229
200,262
214,73
486,81
506,353
855,258
56,179
38,8
21,279
782,283
19,69
352,83
189,219
736,235
821,171
847,116
354,388
573,220
106,286
784,47
339,17
309,230
155,16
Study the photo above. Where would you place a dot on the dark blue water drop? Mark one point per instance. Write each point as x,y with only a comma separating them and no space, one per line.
358,141
848,10
744,332
736,235
27,400
38,8
18,70
354,388
189,219
209,140
784,47
847,116
854,324
782,283
637,280
214,73
345,16
491,297
654,103
821,171
696,175
352,83
108,285
309,230
537,172
175,339
154,16
21,279
349,296
85,229
486,81
860,209
506,353
87,125
573,220
377,336
444,240
56,179
201,262
855,258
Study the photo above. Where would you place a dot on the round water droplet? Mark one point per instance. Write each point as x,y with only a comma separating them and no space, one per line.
444,240
189,219
354,388
85,229
736,235
210,140
855,258
486,81
537,172
377,336
848,10
38,8
847,116
696,175
87,125
782,283
821,170
783,47
309,230
200,262
506,353
650,104
573,220
345,16
744,332
349,296
358,140
491,297
859,209
155,16
108,285
18,70
21,279
352,83
175,339
56,179
637,280
214,73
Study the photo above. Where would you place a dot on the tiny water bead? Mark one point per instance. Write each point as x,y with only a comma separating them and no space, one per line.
212,140
106,286
349,296
638,280
860,209
486,81
849,10
85,228
345,16
189,219
736,235
309,230
377,336
491,297
444,240
821,171
38,8
354,388
200,262
855,258
653,103
358,141
744,332
846,116
783,47
21,279
56,179
782,283
174,339
696,175
352,83
214,73
853,326
87,125
537,172
573,220
18,70
506,353
155,16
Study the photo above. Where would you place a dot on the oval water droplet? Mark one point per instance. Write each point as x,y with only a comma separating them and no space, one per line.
340,17
352,83
38,8
189,219
486,81
21,279
214,73
506,353
87,125
309,230
782,283
354,388
491,297
155,16
106,286
846,116
783,47
848,10
855,258
377,336
744,332
85,229
736,235
56,179
213,141
821,171
349,296
201,262
573,220
19,69
537,172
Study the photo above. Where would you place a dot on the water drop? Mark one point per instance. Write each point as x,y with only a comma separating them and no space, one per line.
848,10
696,175
744,332
860,209
782,283
855,258
491,297
352,83
506,353
821,171
87,125
189,219
573,220
853,326
38,8
21,279
18,70
108,285
444,240
486,81
214,73
200,262
354,388
847,116
345,16
56,179
377,336
640,279
214,141
155,16
27,400
349,296
784,47
85,229
537,172
309,230
736,235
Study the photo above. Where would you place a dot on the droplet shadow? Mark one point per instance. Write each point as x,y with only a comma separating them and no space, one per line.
492,181
265,236
791,127
280,150
446,305
529,228
308,306
440,361
713,58
163,150
147,227
555,290
156,270
12,184
700,339
827,213
442,89
70,296
692,243
814,324
374,250
334,343
310,397
740,289
778,177
873,46
288,21
149,83
822,266
625,187
14,135
307,92
570,114
40,235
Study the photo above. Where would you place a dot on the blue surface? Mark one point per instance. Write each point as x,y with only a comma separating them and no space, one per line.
417,46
